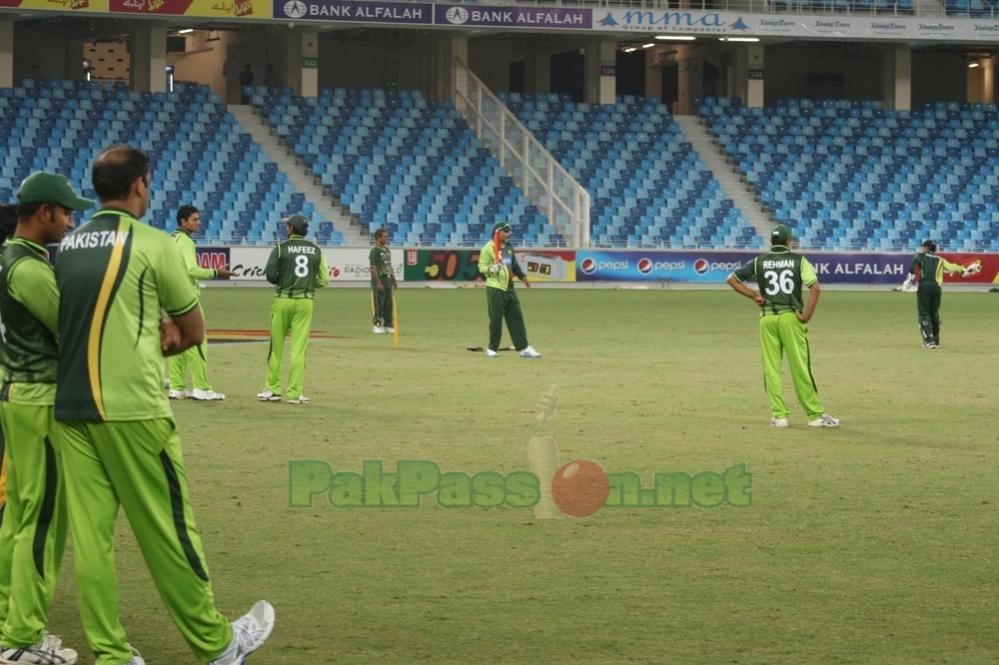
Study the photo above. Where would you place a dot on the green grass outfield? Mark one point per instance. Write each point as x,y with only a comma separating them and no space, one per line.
876,543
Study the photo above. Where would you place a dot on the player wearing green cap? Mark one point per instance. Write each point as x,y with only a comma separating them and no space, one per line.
35,516
382,283
929,293
497,265
118,439
780,275
297,268
189,223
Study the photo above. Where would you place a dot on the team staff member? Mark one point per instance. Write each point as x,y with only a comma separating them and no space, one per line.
930,290
297,268
36,504
117,435
498,264
780,275
188,223
382,283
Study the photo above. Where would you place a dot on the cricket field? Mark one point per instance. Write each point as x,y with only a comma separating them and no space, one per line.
876,543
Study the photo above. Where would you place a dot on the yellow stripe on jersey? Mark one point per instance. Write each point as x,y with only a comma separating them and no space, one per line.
3,480
97,323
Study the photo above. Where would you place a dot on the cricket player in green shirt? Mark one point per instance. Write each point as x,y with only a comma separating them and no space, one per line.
382,283
8,222
35,515
930,290
297,268
497,265
116,433
189,223
780,275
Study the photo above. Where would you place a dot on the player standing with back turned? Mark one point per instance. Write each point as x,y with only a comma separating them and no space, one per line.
930,290
783,315
118,440
297,268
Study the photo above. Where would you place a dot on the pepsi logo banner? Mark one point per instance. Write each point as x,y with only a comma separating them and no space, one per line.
657,266
714,267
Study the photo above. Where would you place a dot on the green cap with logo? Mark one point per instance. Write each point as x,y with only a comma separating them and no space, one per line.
780,235
501,226
44,187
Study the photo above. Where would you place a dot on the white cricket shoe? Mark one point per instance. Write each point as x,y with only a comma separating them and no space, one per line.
136,658
249,632
825,420
778,422
491,354
378,330
47,652
529,352
268,396
206,395
301,399
389,329
177,394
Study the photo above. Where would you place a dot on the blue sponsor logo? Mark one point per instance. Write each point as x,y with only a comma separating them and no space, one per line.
708,21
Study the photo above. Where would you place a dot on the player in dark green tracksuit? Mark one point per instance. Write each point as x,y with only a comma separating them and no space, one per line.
297,267
119,443
497,265
36,504
780,275
382,283
930,290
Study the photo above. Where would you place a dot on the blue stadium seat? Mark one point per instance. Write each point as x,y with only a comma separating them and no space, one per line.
397,161
229,179
876,180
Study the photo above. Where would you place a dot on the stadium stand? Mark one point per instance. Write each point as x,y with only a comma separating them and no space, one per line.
849,175
973,8
647,185
397,161
200,154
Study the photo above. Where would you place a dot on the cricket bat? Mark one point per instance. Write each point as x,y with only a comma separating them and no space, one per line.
477,348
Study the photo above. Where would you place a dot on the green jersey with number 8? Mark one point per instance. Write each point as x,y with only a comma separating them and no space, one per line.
780,275
297,267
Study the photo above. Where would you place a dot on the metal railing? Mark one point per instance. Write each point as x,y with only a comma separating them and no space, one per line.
545,182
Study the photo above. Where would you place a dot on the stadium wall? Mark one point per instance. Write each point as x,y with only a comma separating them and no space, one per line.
596,265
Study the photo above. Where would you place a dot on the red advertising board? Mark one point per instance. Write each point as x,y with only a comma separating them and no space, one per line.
988,275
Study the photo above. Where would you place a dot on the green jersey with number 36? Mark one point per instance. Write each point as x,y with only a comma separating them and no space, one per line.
297,267
780,276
